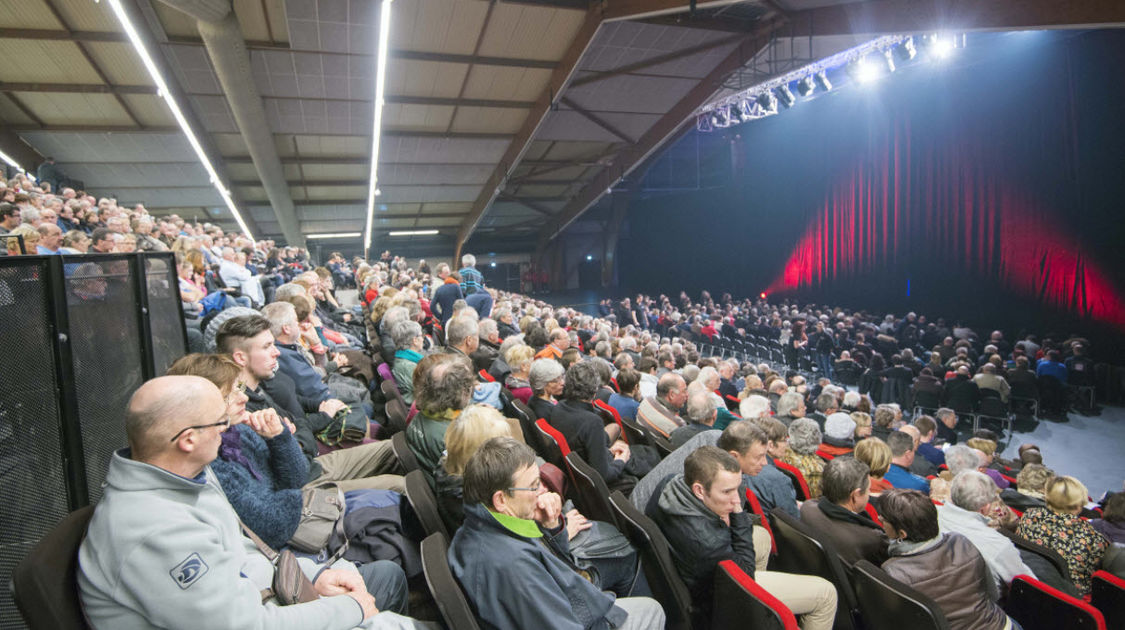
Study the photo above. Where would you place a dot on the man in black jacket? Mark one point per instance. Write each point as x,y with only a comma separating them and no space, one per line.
700,513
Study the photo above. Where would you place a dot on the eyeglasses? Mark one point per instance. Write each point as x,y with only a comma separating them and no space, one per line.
225,422
536,488
239,388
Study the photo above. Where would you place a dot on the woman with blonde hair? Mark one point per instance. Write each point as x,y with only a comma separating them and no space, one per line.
877,455
519,358
862,425
476,425
1058,527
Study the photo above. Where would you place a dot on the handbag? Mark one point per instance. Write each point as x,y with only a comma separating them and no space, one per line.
290,584
348,425
322,510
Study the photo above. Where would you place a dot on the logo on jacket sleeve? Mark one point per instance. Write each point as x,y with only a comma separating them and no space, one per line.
189,571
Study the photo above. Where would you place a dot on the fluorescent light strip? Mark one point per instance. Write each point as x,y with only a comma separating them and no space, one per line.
413,233
376,128
163,91
12,163
334,235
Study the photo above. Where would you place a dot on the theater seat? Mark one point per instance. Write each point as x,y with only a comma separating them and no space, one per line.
1109,598
526,418
796,477
609,414
1037,606
422,499
396,418
45,583
555,446
390,389
741,603
756,508
589,491
451,602
887,604
800,550
485,377
405,456
635,433
660,571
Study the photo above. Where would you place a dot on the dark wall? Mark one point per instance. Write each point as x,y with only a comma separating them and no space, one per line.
991,184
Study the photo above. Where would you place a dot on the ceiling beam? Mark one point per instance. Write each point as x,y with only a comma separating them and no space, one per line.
99,128
19,150
77,88
63,35
657,60
412,55
639,9
560,77
597,120
911,16
631,157
541,209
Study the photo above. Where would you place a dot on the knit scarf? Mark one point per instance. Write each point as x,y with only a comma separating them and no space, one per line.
230,449
408,354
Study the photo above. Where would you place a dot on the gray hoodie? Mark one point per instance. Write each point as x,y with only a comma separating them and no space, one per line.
164,551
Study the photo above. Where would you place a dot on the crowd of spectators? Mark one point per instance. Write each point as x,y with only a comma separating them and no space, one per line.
825,433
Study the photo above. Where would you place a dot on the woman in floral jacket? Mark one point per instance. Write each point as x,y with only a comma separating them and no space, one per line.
1058,527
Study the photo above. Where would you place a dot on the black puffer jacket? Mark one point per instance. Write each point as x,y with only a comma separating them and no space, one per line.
699,540
953,574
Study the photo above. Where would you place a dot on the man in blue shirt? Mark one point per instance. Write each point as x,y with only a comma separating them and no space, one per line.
902,455
1051,366
50,239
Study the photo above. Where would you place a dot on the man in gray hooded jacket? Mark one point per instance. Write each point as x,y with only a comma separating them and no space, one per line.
164,548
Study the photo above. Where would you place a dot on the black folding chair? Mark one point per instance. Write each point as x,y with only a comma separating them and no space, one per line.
800,550
45,583
450,599
422,499
405,456
660,571
589,491
887,604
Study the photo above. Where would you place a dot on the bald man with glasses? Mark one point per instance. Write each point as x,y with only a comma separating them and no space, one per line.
165,549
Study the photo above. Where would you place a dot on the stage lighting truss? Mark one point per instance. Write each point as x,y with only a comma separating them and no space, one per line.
862,64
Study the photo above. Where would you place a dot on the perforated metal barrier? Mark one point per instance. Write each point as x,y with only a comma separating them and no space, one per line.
78,335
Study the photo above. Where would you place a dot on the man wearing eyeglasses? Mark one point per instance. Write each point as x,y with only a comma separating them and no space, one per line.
509,553
164,548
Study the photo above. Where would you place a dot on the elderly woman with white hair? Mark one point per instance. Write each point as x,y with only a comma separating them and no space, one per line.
408,339
804,439
708,381
546,378
754,406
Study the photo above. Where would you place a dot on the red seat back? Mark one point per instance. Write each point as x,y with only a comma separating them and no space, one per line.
741,602
1108,596
485,377
1035,605
794,473
556,446
613,414
756,508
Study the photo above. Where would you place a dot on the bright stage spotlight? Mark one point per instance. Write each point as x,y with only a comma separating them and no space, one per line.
806,86
785,96
822,81
939,46
862,71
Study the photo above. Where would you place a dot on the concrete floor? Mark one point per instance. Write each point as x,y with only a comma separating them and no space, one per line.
1090,448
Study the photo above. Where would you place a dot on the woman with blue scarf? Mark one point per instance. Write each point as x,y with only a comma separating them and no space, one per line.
408,339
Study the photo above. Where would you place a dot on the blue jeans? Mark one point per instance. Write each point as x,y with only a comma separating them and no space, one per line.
824,363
